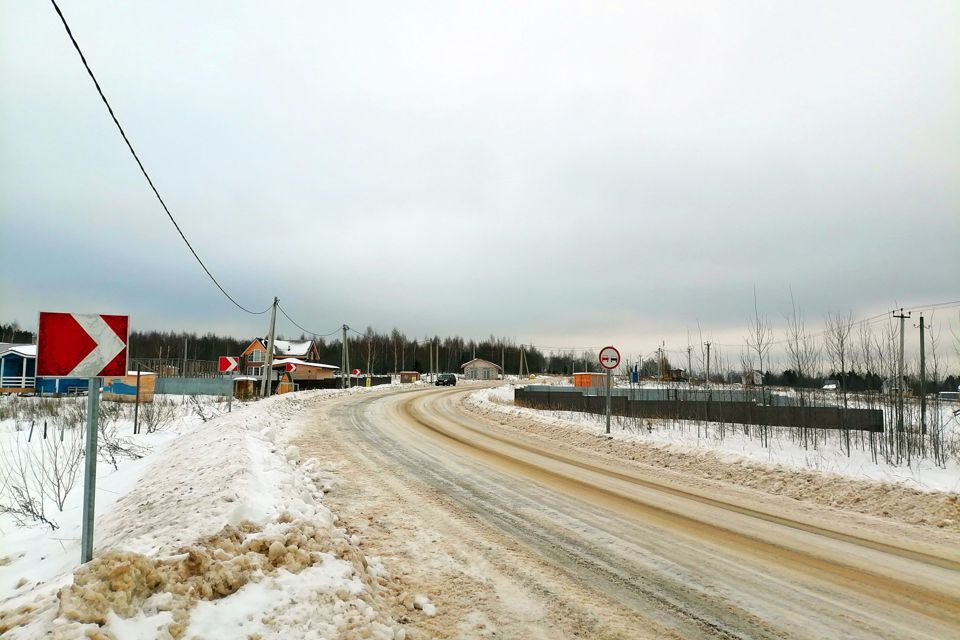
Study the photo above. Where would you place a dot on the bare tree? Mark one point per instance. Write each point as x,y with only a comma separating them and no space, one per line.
840,344
801,346
370,338
760,335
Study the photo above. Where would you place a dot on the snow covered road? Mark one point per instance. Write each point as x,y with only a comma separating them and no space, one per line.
515,538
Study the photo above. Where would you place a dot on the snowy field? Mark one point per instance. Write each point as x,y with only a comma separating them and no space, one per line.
208,527
829,457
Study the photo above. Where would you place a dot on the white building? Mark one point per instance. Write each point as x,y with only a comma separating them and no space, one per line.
480,369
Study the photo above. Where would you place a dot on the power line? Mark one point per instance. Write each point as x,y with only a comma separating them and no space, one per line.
872,320
143,170
297,325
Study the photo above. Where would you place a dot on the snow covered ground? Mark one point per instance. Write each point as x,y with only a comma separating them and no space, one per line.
782,450
218,531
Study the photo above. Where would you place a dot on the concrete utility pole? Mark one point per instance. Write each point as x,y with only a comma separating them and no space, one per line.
345,358
268,369
689,366
183,374
708,362
923,379
902,318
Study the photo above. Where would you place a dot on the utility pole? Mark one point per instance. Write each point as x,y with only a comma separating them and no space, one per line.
268,369
902,317
184,373
923,379
503,361
689,368
343,357
708,362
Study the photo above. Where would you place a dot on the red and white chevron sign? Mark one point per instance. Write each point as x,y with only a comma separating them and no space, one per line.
229,363
82,345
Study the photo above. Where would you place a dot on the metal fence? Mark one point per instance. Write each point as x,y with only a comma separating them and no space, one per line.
194,386
177,367
720,409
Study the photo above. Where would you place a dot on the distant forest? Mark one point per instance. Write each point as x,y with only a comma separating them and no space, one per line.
379,353
370,351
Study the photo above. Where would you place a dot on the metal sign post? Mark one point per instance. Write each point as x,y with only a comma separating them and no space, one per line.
77,345
609,360
90,470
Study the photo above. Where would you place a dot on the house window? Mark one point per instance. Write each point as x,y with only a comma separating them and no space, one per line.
257,356
254,371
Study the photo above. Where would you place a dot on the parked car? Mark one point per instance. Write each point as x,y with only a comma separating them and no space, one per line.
446,380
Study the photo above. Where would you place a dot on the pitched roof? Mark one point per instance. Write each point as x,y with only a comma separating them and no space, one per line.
26,350
479,361
301,363
288,347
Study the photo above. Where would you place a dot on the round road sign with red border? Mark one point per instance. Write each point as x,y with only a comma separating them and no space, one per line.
609,357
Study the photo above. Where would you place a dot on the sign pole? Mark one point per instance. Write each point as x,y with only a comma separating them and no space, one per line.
90,470
136,405
609,377
609,360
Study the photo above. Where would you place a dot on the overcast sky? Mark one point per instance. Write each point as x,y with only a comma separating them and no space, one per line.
563,173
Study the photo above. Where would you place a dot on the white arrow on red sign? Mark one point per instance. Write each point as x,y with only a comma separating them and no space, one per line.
80,345
229,363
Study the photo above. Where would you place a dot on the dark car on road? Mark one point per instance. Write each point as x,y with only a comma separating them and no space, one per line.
446,380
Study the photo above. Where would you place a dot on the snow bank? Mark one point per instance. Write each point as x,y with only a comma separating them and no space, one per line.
735,447
223,534
919,494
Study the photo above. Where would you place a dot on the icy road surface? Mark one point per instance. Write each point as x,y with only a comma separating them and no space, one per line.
517,539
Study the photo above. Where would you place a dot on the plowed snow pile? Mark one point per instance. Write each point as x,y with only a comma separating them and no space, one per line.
225,536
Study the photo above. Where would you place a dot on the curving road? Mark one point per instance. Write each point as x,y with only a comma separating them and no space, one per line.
602,549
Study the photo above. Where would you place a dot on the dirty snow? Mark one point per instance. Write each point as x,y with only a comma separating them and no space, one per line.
219,532
735,447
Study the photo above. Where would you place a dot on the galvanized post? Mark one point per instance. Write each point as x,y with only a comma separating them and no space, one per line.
136,405
90,470
609,385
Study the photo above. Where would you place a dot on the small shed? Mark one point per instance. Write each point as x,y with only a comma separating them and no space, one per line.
751,378
409,376
480,369
244,387
589,379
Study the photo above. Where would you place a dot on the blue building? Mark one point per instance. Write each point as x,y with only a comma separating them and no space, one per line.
18,366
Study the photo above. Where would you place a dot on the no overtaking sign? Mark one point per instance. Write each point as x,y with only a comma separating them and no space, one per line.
609,358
